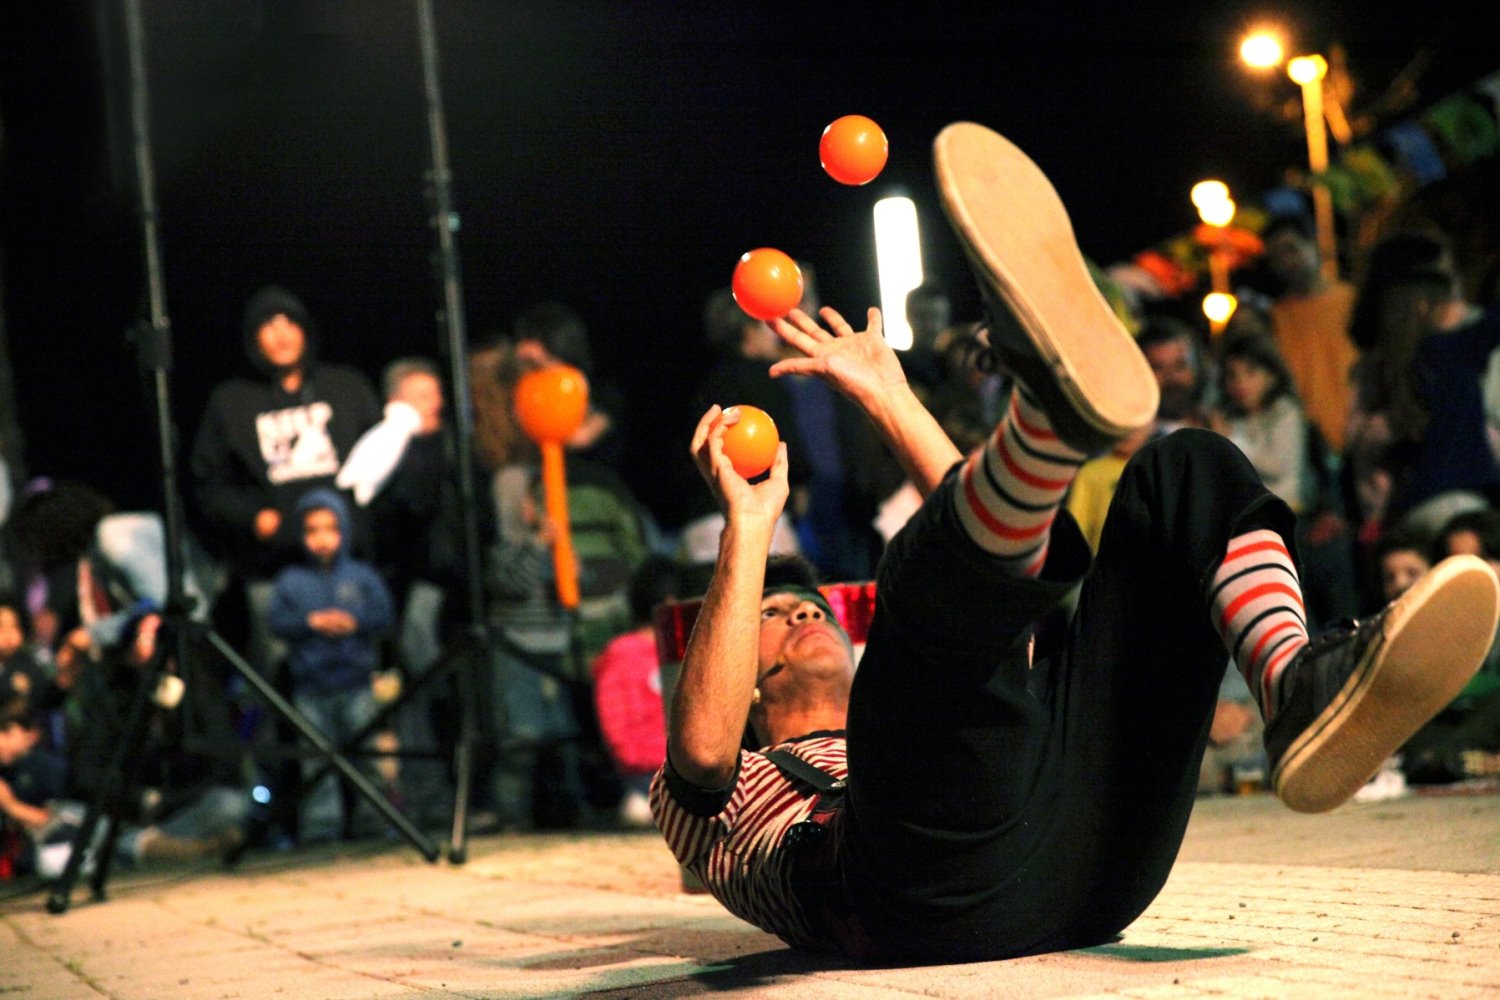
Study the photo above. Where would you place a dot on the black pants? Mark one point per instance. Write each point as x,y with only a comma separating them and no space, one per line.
996,810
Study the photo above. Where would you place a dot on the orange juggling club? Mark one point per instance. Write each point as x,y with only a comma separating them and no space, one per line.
550,405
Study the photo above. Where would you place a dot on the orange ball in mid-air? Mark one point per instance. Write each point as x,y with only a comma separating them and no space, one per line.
551,402
853,150
751,444
767,283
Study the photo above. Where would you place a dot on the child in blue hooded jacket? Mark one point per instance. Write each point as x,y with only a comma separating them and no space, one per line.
330,611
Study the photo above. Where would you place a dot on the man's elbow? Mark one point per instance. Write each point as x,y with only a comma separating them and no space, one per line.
704,767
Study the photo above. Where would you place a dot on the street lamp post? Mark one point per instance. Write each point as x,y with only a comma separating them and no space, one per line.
1216,208
1308,73
1263,50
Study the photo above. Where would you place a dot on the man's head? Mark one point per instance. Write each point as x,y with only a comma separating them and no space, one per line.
19,729
278,331
730,330
1171,348
323,515
806,661
1292,252
1402,560
550,332
415,381
929,312
1408,278
1475,533
55,525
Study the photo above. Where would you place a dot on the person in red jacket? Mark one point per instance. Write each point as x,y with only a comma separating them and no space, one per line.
627,692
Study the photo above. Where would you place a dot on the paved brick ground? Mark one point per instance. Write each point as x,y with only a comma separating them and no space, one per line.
1399,899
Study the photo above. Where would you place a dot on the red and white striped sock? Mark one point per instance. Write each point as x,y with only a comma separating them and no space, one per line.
1256,601
1010,489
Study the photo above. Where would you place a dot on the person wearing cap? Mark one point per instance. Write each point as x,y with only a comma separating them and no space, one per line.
265,441
964,796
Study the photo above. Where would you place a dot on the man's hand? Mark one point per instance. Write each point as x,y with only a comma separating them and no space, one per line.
31,817
144,646
267,523
863,367
758,504
332,622
1231,719
860,365
70,656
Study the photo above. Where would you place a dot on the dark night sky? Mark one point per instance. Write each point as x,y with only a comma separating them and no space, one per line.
614,156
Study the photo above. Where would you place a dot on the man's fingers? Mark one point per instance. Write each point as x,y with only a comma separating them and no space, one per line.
793,336
705,424
807,324
873,321
836,322
796,366
779,464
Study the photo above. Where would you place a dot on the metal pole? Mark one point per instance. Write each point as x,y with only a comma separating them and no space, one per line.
445,222
1317,163
155,338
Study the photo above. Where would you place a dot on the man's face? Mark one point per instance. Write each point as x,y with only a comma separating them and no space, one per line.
928,316
1172,363
281,341
11,638
1399,569
423,393
1468,543
321,534
796,636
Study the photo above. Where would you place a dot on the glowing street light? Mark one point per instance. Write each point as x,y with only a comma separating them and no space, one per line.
1307,72
1216,209
1262,50
1217,213
1307,69
1218,307
898,259
1206,193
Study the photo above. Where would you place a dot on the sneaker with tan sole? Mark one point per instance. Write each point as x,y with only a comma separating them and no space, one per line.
1047,323
1351,698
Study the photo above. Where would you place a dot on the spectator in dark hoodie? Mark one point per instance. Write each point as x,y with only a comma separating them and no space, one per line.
265,441
330,611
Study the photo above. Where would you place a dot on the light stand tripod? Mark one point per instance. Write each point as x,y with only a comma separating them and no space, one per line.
474,651
455,346
154,346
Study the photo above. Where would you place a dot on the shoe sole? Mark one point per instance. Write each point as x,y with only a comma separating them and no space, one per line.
1017,234
1432,641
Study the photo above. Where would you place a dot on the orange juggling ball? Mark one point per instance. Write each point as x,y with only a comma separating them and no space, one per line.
767,283
853,150
751,444
551,402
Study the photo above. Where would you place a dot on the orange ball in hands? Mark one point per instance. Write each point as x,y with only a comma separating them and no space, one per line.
751,444
767,283
853,150
551,402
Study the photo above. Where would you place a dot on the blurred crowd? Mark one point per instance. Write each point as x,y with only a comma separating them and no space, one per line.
326,540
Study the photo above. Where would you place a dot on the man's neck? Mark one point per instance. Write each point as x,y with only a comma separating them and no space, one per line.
291,381
795,724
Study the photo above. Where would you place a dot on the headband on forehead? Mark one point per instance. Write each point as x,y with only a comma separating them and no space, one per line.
806,593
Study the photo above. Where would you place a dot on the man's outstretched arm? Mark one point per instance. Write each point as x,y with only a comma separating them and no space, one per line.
863,367
712,701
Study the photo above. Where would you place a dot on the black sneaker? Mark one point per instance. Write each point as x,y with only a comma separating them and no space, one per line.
1047,323
1351,698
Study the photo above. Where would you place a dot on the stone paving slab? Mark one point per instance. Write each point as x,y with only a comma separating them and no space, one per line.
603,915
